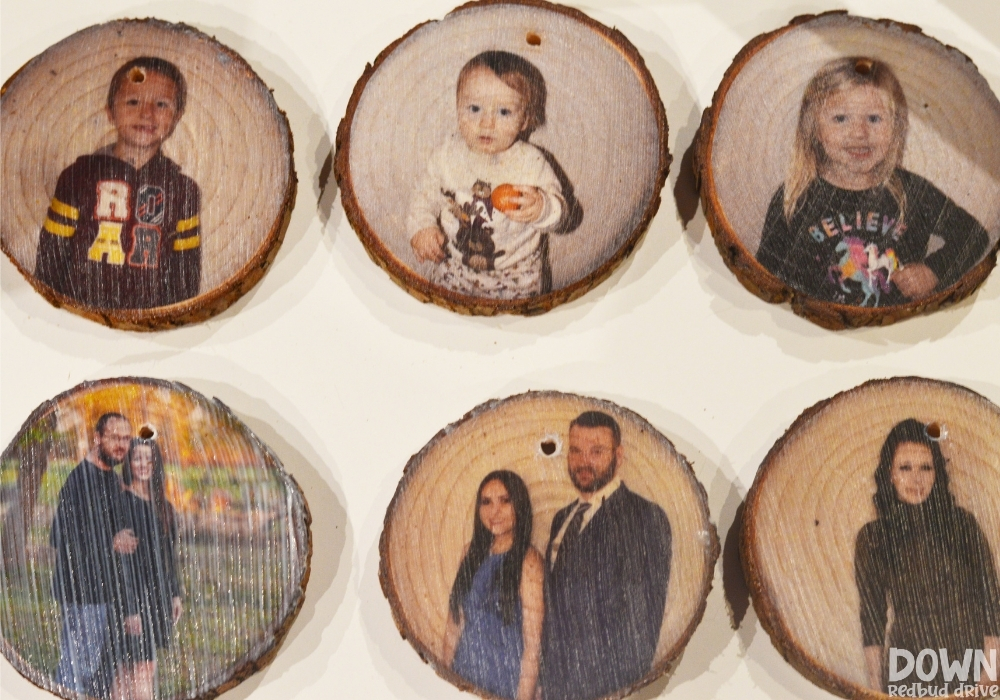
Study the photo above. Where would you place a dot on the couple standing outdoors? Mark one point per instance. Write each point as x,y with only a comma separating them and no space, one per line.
584,621
115,574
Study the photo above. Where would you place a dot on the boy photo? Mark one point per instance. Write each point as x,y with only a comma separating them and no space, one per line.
147,174
484,208
122,230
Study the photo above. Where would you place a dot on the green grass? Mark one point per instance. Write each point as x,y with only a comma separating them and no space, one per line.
235,587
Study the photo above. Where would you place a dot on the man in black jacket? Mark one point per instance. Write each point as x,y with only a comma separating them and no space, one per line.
87,580
607,567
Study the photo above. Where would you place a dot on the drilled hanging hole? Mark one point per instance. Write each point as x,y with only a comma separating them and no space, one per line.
147,432
864,66
548,447
136,75
533,39
934,431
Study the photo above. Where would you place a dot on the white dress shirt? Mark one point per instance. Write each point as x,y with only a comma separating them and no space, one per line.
596,500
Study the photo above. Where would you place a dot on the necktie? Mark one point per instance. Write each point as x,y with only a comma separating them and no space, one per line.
572,531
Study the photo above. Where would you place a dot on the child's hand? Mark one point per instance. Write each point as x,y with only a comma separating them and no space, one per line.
133,625
530,203
428,244
916,280
124,542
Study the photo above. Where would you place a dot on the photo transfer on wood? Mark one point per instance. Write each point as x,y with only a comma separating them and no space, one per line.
548,543
147,174
852,167
504,159
152,546
871,542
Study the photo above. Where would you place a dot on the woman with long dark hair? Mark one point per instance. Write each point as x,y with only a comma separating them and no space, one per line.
494,633
152,601
927,559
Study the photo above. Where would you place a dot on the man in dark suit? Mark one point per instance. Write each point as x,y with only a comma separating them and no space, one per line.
87,578
607,567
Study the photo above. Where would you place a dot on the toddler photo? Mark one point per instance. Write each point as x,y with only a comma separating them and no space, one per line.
503,159
489,197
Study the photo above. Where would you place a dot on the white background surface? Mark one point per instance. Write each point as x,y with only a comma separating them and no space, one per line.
346,376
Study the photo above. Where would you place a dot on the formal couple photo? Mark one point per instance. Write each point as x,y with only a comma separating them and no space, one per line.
566,560
152,546
582,621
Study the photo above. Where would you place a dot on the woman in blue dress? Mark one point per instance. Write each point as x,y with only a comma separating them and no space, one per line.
494,632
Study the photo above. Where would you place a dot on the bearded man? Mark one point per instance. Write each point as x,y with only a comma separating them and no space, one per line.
87,579
607,567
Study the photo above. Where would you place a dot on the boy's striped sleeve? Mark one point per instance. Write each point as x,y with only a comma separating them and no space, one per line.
188,234
182,274
54,263
61,218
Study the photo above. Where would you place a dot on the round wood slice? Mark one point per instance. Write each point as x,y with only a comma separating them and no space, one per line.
840,258
650,541
240,554
811,549
157,247
599,158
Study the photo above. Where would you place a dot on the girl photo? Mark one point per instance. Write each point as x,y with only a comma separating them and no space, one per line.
849,224
875,187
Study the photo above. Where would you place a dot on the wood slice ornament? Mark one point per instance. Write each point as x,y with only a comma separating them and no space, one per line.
147,174
865,187
216,569
504,159
505,582
871,541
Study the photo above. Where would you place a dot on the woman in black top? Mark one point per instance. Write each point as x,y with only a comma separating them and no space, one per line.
928,560
152,603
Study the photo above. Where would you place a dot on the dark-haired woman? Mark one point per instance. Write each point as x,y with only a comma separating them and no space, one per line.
152,601
495,612
926,558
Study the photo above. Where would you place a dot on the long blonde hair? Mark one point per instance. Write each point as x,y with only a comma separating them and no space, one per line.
808,153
